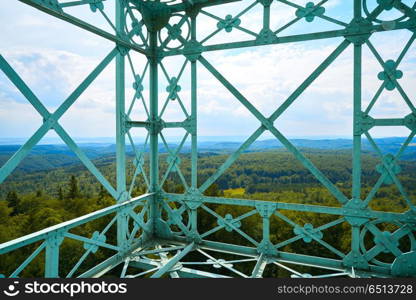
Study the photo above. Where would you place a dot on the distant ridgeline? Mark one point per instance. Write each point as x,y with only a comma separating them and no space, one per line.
262,170
46,157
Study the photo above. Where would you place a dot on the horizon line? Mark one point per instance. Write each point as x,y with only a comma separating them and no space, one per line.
219,139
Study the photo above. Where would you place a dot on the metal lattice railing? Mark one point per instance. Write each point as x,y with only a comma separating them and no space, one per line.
167,224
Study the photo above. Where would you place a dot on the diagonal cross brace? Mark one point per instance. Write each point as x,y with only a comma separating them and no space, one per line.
393,79
383,176
259,267
51,121
174,155
389,170
173,261
276,114
84,25
383,85
139,156
311,234
398,234
268,124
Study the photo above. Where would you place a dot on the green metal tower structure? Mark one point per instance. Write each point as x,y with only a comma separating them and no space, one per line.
157,231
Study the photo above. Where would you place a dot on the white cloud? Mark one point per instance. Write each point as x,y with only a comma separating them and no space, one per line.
17,119
265,75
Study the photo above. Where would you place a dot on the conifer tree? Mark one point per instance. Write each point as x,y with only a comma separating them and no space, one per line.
73,188
13,201
60,193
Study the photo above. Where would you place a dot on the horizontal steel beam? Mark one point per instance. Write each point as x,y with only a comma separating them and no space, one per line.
290,39
339,211
283,257
389,122
183,272
76,3
173,261
187,4
145,124
84,25
65,226
115,260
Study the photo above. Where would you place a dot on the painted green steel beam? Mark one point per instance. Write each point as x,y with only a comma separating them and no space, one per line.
65,226
194,114
222,263
156,251
154,113
89,249
24,89
22,86
268,124
392,78
310,79
276,114
231,225
391,173
380,181
122,194
187,4
165,260
103,267
91,241
259,267
226,223
41,109
85,160
48,124
154,212
357,131
291,39
193,273
52,241
183,272
52,250
28,260
340,211
84,25
255,43
174,155
389,122
77,3
138,124
320,4
115,260
146,124
305,233
173,261
285,257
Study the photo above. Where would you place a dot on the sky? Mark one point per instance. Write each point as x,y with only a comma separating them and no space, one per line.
54,57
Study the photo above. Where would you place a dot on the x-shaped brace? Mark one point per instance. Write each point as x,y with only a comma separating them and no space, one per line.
267,123
51,121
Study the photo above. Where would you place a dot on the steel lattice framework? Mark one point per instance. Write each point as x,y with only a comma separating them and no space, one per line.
157,230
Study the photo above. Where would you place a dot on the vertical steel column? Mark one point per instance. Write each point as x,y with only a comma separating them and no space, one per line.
266,15
356,173
120,128
154,127
52,256
194,111
356,176
266,228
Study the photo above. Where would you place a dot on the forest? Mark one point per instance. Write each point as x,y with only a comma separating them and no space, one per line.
32,200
